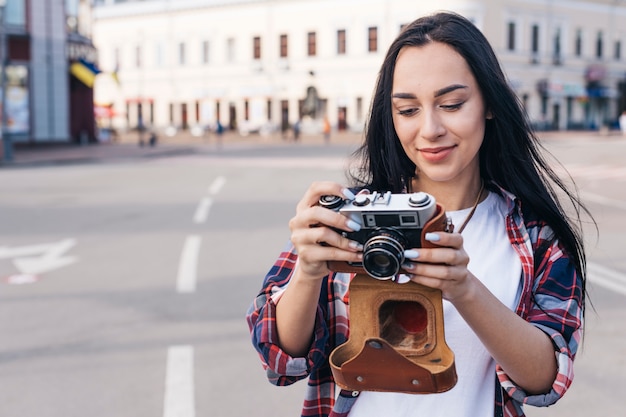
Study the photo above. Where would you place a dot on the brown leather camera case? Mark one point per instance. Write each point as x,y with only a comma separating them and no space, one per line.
396,338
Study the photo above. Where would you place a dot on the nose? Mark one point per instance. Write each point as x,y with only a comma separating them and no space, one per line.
431,125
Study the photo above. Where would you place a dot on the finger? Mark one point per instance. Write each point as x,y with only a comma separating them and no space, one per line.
420,272
317,252
326,237
440,256
319,216
453,240
320,188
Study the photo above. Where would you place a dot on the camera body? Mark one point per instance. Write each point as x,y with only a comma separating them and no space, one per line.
390,224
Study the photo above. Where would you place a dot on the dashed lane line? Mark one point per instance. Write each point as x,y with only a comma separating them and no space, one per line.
179,383
188,266
202,211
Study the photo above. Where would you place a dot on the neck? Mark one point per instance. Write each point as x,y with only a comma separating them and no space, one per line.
453,196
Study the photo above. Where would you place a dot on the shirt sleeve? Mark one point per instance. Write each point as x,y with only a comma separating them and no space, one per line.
281,368
556,307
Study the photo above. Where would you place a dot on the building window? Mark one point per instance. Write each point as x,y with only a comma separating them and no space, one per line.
556,54
284,46
71,13
578,47
534,43
230,50
311,44
599,45
256,47
181,53
341,42
511,36
617,52
205,52
15,13
372,39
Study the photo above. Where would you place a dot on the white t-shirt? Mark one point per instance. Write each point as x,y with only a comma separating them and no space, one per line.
494,261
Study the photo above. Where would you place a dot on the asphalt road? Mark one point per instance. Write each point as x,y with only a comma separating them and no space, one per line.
124,283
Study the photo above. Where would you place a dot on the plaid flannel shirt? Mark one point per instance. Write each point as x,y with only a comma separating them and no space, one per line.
551,300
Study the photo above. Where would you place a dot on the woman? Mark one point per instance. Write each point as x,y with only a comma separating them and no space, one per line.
443,121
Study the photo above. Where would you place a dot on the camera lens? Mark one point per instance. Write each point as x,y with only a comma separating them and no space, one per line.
383,254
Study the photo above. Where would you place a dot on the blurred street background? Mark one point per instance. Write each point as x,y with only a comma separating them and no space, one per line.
153,152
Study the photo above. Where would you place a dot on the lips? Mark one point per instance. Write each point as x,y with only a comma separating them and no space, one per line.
436,154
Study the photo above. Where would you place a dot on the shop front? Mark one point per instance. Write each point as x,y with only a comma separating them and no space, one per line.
83,70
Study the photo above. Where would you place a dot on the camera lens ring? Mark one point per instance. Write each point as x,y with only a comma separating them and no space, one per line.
383,254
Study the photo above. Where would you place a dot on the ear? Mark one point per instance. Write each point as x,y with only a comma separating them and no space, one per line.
489,115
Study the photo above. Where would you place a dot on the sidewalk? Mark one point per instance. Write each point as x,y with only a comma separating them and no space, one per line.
127,147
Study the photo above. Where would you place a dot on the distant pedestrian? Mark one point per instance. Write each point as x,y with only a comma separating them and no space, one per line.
326,130
152,140
219,131
141,129
622,123
296,131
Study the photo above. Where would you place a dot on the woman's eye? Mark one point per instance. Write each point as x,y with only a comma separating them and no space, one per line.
452,106
407,112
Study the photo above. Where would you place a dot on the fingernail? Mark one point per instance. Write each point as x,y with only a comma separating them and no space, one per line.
432,237
355,245
348,194
403,278
408,266
352,225
411,254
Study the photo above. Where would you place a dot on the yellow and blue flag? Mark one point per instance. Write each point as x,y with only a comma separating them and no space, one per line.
85,71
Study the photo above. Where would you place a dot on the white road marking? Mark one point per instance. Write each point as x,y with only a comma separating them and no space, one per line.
217,185
607,278
187,268
202,211
179,383
50,256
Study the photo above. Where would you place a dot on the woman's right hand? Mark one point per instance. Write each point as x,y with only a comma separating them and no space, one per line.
313,236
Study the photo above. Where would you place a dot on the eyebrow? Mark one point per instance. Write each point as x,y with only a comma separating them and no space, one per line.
438,93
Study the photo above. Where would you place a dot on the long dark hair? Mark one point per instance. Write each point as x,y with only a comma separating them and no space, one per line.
510,156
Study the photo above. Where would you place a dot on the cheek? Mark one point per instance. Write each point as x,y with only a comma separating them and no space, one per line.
405,128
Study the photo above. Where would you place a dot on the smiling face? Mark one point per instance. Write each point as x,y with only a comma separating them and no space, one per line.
439,114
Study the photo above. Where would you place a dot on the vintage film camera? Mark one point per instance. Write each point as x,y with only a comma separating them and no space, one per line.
390,224
396,338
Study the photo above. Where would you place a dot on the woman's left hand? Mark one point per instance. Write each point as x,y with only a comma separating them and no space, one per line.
443,267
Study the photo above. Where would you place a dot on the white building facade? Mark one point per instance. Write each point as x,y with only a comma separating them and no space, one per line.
251,63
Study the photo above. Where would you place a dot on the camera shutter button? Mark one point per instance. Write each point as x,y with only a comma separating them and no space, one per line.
419,199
